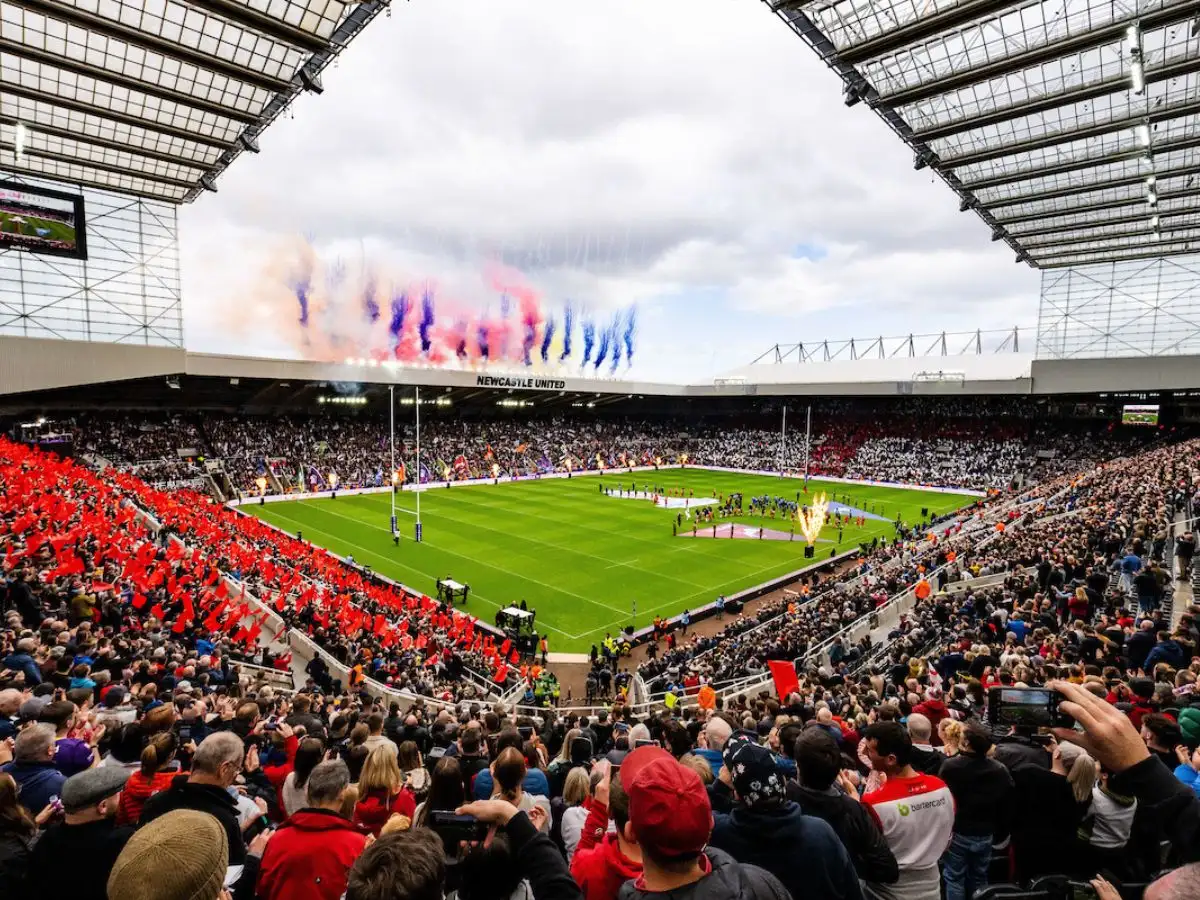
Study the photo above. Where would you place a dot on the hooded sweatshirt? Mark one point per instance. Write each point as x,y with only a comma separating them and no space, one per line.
310,857
724,879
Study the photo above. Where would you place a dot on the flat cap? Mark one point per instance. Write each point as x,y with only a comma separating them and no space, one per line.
91,786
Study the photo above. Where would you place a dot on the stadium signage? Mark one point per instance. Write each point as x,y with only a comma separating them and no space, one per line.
509,381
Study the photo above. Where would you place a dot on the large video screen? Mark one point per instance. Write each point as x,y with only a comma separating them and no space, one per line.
1139,414
41,221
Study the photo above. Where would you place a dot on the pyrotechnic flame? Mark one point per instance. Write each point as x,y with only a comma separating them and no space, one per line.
813,519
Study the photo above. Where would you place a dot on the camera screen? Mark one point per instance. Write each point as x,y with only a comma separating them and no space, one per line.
1030,708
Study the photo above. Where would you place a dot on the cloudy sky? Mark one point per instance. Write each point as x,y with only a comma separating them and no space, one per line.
691,158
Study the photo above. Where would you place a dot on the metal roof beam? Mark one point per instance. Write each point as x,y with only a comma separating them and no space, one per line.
99,73
1146,231
261,22
1161,114
1123,181
1066,262
1116,85
85,182
1089,208
1140,202
1076,165
91,141
102,166
182,134
114,30
1075,43
923,29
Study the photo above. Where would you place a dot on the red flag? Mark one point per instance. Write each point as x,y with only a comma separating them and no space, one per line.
505,647
157,611
784,674
139,600
515,658
501,674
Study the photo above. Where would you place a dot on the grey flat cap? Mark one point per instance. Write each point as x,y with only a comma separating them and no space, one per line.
91,786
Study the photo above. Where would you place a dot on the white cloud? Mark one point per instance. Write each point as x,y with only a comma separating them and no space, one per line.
625,152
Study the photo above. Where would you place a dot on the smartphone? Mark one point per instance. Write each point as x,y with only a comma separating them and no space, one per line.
452,828
1026,708
271,726
1082,891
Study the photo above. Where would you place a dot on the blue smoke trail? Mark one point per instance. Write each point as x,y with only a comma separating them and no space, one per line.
481,335
547,337
302,290
568,326
602,353
400,309
370,304
426,320
616,342
589,340
630,334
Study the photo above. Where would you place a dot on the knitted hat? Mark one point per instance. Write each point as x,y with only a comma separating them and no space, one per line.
179,856
1189,724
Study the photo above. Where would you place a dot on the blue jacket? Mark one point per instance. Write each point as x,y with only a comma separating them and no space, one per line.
1167,652
803,852
713,757
36,783
23,662
1188,776
535,783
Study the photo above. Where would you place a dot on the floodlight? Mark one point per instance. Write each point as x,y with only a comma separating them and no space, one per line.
1151,198
19,145
1151,179
1143,134
1154,222
1137,76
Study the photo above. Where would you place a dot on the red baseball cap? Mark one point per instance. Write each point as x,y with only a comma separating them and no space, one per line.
668,805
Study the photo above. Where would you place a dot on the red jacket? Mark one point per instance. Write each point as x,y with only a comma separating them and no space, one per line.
309,857
934,711
138,789
599,867
375,808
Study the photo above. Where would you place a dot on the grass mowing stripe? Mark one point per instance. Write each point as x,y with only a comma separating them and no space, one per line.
480,562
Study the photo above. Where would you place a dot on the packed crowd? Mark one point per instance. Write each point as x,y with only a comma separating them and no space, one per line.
138,761
982,444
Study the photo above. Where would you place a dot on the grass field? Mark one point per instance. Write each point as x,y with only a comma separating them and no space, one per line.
55,230
579,557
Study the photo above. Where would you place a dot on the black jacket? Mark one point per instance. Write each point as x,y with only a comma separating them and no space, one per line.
1174,806
73,862
14,863
803,852
983,792
727,880
927,762
872,858
202,798
541,862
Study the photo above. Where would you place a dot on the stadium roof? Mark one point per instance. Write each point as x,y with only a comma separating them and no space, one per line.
156,97
1071,127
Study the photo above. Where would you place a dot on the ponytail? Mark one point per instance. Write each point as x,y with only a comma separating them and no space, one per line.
157,752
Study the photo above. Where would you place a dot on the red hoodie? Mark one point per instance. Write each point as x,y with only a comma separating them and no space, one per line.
309,857
599,867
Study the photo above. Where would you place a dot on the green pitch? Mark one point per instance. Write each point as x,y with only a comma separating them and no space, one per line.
57,231
579,557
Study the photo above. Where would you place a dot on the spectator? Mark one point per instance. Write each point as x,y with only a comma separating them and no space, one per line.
924,757
716,733
311,853
769,831
535,779
605,860
17,831
413,771
671,820
71,755
375,736
33,768
915,812
983,791
382,792
576,793
509,772
215,770
74,857
823,792
445,791
294,793
158,770
179,856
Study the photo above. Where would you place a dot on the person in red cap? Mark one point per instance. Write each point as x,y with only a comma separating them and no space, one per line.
670,821
605,860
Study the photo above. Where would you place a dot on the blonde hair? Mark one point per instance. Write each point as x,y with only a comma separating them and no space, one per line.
380,772
1081,769
951,733
396,822
577,787
699,765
